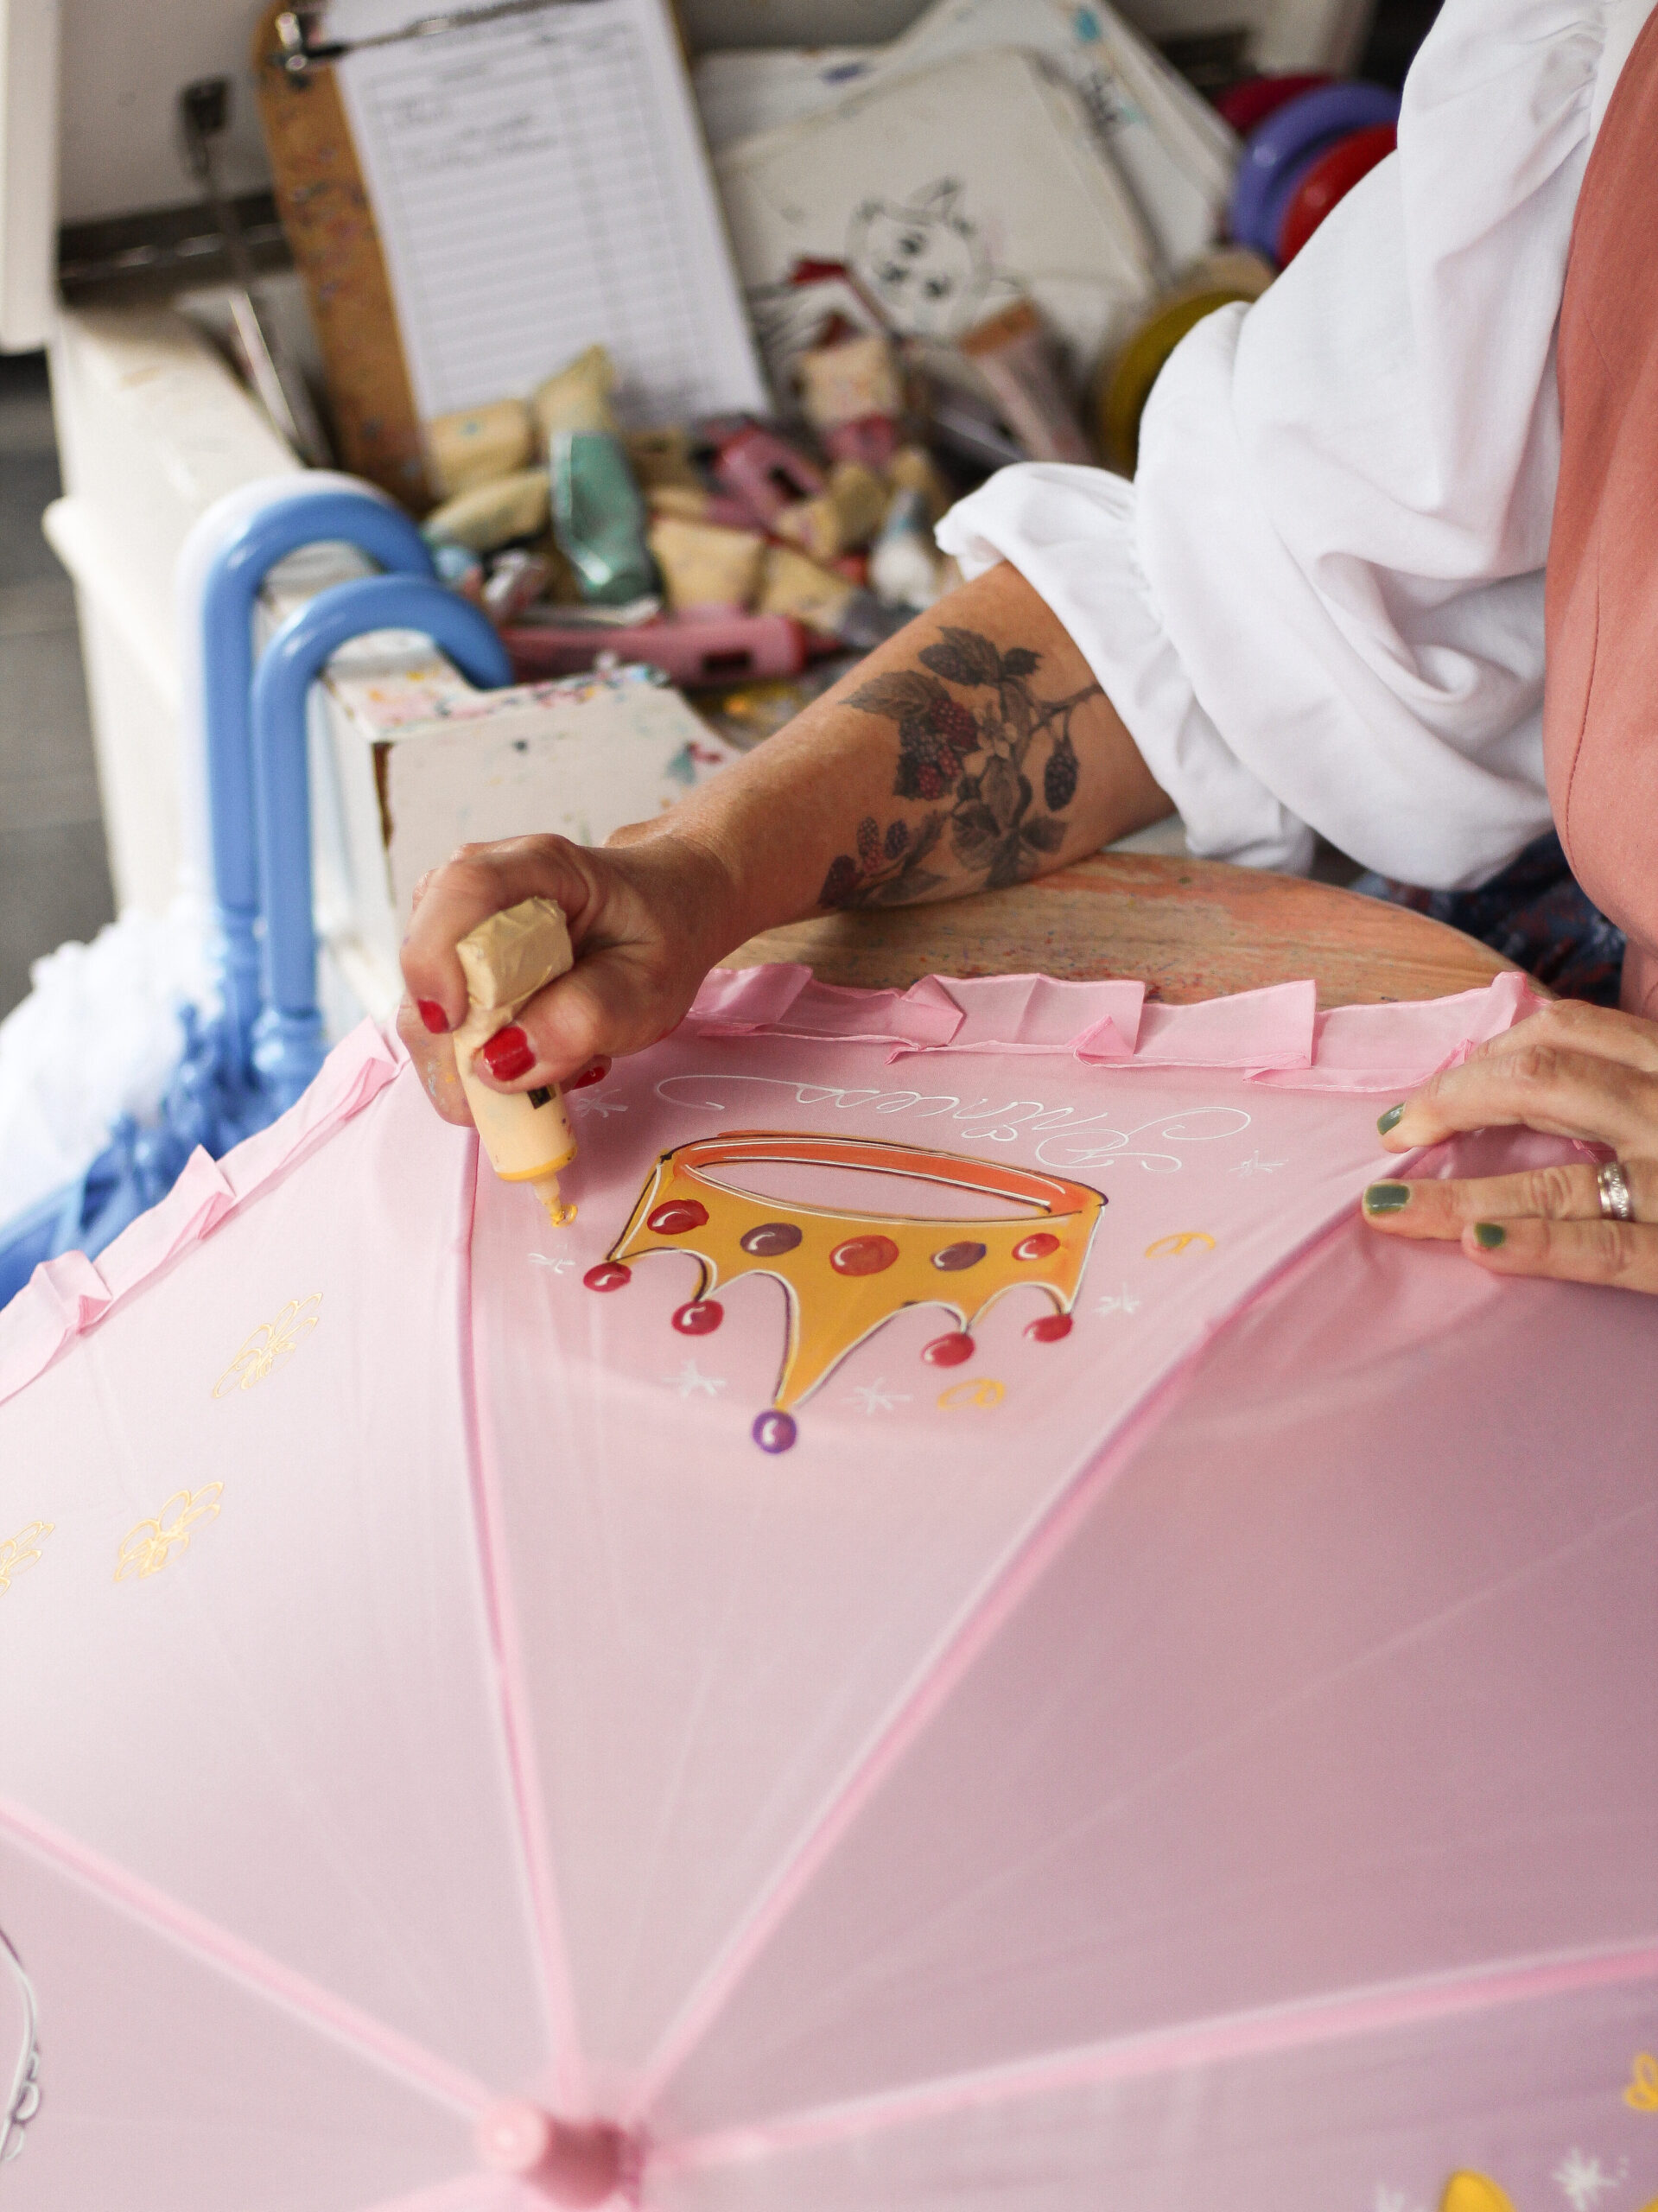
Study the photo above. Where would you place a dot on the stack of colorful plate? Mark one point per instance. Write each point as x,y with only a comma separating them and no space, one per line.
1308,139
1125,380
1306,145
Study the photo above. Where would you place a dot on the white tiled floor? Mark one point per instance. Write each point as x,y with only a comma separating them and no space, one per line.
55,881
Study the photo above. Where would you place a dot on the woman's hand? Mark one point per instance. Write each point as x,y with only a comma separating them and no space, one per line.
1572,1070
649,915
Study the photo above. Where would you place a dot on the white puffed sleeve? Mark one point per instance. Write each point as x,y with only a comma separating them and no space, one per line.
1319,606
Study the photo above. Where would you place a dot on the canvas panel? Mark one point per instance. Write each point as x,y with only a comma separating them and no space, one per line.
250,1659
1339,1685
712,1636
168,2086
1549,2104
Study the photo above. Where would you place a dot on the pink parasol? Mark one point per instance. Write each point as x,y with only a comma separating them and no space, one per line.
964,1636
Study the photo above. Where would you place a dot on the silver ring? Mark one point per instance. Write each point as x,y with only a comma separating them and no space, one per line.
1616,1204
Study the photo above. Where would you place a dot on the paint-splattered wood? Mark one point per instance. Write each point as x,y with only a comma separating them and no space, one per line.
1188,929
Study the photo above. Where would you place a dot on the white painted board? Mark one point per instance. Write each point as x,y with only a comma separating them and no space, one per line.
758,88
948,194
578,760
1175,153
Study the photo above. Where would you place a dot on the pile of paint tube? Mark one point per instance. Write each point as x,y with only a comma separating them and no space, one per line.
727,551
721,551
1307,140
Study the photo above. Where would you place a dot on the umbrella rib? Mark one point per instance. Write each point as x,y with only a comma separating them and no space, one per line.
1170,2050
570,2087
282,1986
934,1682
1240,1730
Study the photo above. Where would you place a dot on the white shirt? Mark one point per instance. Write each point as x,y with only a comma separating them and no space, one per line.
1319,604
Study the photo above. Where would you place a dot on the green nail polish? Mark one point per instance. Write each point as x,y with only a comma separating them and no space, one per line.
1387,1198
1491,1233
1391,1119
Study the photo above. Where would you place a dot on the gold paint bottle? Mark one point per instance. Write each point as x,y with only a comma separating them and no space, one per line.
507,959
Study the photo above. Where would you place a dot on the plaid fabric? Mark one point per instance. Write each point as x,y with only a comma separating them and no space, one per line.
1534,914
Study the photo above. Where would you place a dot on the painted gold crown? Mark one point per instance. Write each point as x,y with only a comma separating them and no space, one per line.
845,1274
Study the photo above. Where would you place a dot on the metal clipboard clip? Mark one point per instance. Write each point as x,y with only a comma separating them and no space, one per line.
301,49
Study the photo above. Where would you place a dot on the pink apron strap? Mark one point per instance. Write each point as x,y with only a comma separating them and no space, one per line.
1600,707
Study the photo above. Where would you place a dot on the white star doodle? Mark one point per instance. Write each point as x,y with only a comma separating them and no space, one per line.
688,1381
1583,2181
1125,1302
558,1267
876,1398
585,1103
1256,1166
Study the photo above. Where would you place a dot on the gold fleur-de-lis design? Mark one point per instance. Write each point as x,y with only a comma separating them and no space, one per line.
148,1548
1582,2178
1642,2094
1468,2192
271,1343
983,1392
22,1551
1181,1240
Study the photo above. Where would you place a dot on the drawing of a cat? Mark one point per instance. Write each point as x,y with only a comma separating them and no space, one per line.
923,262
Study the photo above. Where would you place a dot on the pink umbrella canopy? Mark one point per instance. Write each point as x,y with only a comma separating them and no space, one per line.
964,1636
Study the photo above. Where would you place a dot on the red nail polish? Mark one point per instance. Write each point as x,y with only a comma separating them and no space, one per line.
596,1073
434,1016
510,1054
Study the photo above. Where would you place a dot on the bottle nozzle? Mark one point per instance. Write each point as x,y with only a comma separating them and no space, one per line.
546,1189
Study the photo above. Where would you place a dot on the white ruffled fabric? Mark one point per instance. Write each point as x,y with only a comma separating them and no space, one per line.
1319,606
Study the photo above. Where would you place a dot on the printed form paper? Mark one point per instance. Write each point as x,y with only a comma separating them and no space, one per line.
539,186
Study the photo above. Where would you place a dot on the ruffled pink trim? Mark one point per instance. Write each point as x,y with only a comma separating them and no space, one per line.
65,1296
1397,1047
1274,1036
783,1000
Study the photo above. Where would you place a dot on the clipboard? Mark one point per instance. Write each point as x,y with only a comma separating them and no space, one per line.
324,206
473,198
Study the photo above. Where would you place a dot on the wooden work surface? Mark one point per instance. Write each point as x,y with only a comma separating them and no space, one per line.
1187,929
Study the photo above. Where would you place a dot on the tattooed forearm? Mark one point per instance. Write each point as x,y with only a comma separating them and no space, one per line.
973,756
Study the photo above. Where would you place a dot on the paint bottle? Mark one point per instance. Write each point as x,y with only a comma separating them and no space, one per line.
599,519
492,515
1015,361
506,961
905,564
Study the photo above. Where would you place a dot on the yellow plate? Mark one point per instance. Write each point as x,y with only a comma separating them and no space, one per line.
1127,384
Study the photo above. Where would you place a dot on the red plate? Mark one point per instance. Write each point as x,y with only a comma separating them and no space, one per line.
1331,177
1252,101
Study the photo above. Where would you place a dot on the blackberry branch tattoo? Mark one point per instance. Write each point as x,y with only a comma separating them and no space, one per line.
971,757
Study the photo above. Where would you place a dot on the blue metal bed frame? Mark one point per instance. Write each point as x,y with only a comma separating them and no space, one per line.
255,1057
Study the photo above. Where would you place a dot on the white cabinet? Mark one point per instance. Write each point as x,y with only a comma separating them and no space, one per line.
152,429
28,171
